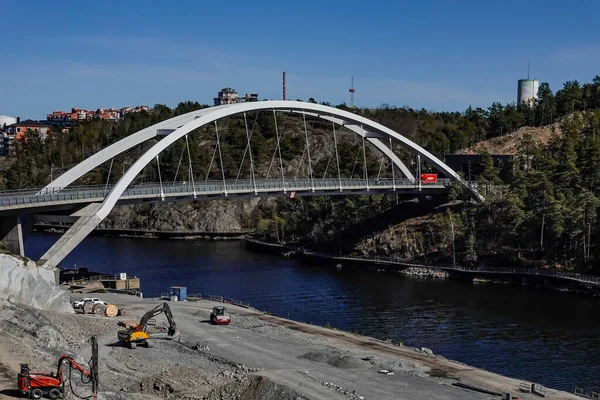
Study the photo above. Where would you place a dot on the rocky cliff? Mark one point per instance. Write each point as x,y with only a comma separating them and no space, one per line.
22,281
201,216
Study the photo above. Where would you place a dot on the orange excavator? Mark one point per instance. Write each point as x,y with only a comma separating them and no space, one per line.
37,384
136,333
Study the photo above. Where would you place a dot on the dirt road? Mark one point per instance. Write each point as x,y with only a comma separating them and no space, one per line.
259,356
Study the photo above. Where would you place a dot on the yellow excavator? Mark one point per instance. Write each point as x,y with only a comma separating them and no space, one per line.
136,333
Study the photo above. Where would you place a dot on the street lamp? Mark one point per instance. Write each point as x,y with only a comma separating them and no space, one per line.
51,169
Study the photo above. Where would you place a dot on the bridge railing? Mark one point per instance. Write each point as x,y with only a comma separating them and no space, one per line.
74,193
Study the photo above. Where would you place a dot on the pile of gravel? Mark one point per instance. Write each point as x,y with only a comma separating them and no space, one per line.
254,388
346,362
343,362
316,357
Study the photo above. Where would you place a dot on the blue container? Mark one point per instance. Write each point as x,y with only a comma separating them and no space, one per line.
179,291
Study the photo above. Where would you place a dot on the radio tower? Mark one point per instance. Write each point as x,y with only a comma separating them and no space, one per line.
352,92
284,85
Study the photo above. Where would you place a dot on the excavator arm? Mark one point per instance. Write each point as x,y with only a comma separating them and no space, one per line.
163,308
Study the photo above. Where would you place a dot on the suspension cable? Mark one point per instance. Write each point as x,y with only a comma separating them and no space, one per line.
187,144
178,165
392,163
419,170
365,161
279,147
162,193
326,167
271,163
109,172
221,159
249,137
312,184
300,163
210,165
337,158
380,167
355,163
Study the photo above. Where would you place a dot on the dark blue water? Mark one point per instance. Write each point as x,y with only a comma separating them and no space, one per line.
548,337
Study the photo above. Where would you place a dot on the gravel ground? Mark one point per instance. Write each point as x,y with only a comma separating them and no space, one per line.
255,357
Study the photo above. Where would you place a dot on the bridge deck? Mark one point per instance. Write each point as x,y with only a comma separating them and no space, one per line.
178,191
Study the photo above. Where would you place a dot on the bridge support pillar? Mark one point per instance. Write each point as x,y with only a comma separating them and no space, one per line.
88,220
13,231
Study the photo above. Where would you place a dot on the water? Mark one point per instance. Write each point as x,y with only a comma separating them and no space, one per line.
547,337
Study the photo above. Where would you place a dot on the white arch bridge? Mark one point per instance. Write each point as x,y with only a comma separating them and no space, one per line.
89,205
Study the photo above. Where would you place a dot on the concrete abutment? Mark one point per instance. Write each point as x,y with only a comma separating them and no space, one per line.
13,231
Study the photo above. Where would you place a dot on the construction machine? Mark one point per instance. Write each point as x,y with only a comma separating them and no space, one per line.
136,333
219,316
52,384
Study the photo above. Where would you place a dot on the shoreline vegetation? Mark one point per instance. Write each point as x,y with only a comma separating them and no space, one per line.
547,279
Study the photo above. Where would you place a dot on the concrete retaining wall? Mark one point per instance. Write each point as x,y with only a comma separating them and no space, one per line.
26,283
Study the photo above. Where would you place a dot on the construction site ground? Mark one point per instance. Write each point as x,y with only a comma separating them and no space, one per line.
257,356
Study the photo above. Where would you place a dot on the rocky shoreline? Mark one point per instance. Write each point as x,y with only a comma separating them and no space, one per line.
425,272
548,280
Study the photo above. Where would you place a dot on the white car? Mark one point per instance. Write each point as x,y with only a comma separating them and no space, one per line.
79,303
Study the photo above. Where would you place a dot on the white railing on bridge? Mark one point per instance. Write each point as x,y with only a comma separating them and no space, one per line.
155,189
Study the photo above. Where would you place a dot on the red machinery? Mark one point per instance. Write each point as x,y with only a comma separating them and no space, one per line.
428,178
38,384
219,316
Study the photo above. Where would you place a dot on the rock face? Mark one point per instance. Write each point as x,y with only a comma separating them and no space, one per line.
26,283
202,216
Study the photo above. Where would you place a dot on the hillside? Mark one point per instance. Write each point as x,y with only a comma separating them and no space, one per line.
509,144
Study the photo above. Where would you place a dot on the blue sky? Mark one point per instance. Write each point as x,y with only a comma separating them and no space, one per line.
440,55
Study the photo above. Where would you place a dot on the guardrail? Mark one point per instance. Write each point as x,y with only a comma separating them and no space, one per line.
78,193
94,278
210,297
586,394
573,276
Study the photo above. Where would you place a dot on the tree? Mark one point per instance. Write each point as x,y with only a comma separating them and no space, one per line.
545,107
489,173
568,99
586,208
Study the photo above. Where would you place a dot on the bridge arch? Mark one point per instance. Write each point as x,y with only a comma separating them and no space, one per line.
170,125
181,126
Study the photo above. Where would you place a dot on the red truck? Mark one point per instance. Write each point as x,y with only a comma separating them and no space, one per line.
428,178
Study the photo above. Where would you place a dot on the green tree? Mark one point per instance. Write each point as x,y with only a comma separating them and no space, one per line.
489,173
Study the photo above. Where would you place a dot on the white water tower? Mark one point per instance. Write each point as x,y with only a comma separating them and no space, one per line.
527,92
